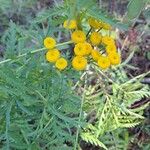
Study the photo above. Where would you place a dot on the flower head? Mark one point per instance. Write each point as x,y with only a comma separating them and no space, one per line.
49,42
111,48
103,62
95,54
94,23
52,55
107,40
61,63
95,38
106,26
70,24
80,49
114,58
88,48
79,63
78,36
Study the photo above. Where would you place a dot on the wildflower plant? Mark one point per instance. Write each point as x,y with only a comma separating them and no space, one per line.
62,81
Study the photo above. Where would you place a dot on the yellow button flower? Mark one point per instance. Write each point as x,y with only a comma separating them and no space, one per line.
114,58
79,63
106,26
70,24
103,62
111,48
78,36
95,38
88,48
49,42
94,23
80,49
52,55
95,54
108,40
61,63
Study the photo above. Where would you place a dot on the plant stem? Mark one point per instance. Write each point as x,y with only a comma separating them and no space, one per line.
88,32
33,52
64,43
80,114
99,29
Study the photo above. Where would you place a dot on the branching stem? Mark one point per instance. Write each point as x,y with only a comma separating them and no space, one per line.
33,52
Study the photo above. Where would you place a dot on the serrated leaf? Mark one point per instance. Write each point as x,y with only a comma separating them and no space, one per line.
93,140
45,14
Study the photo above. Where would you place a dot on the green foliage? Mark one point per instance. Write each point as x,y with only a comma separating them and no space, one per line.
92,140
37,109
41,108
86,8
37,103
134,9
111,104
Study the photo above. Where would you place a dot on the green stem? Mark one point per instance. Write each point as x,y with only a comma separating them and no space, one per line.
88,32
80,114
64,43
99,29
33,52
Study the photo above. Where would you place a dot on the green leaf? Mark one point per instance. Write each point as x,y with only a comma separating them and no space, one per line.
148,55
134,9
93,140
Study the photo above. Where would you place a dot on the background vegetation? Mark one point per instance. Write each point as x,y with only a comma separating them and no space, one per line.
42,108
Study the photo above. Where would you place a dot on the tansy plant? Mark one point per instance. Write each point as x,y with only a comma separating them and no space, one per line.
74,90
88,47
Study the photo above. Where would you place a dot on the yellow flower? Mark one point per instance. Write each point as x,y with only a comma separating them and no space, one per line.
70,24
108,40
95,54
103,62
106,26
111,48
52,55
79,63
95,38
114,58
61,64
49,42
78,36
88,48
80,49
94,23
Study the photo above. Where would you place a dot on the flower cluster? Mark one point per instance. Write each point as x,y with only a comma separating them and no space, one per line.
53,55
91,47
